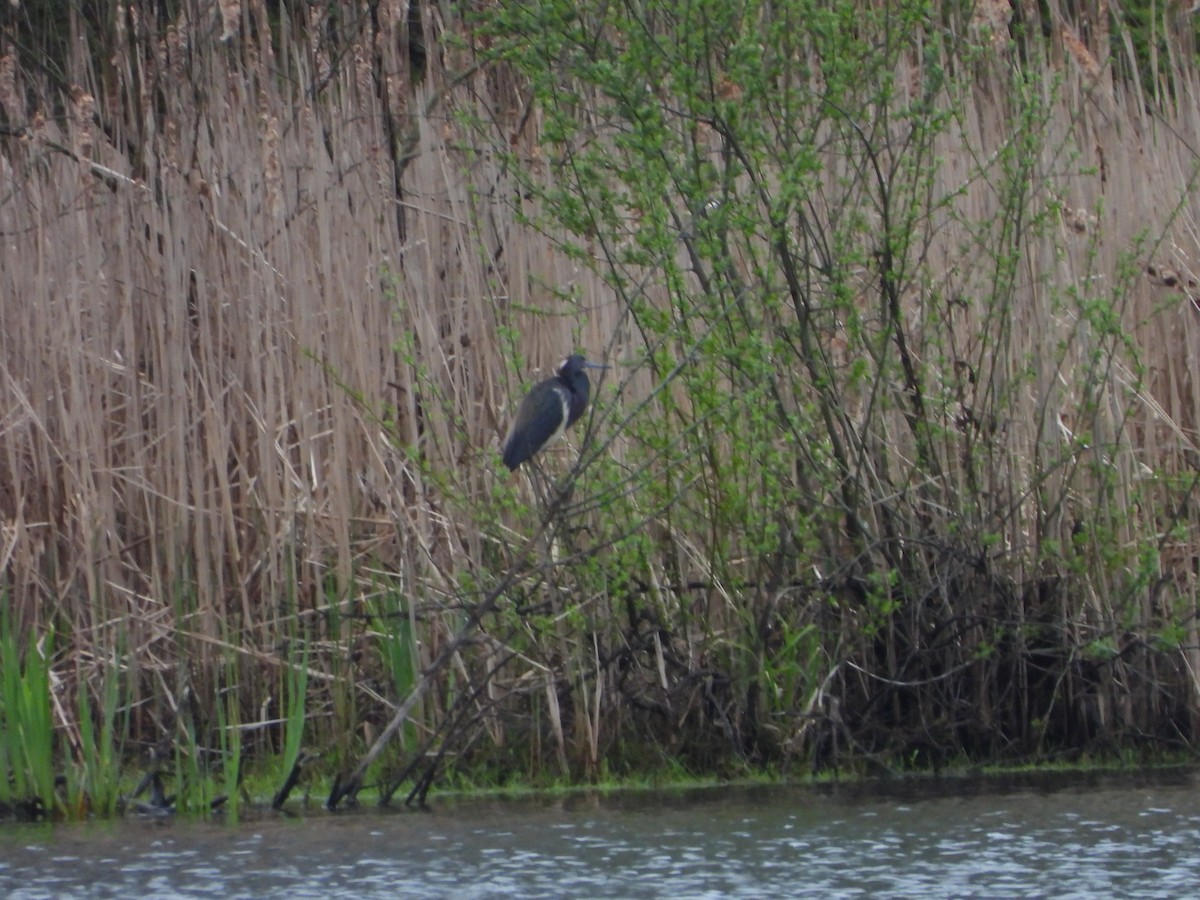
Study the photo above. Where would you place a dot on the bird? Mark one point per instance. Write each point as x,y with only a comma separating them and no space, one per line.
548,410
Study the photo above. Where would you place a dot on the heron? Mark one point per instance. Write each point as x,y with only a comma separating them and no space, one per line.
549,409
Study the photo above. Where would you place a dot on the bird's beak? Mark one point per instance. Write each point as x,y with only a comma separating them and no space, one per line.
588,364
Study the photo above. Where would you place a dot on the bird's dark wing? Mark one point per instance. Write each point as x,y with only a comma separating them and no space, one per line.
541,416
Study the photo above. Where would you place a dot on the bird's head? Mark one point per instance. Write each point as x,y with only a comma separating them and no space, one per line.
576,363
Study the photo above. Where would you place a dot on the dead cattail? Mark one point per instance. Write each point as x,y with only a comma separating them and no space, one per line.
83,109
272,168
10,96
1080,53
992,17
231,19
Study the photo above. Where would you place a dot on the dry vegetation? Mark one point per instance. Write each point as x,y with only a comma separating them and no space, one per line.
266,303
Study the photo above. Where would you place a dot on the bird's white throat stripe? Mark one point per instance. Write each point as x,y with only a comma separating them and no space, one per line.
564,396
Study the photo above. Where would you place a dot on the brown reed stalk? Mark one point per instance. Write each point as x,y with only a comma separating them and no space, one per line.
268,302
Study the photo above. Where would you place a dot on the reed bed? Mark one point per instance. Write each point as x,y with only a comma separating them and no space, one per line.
896,469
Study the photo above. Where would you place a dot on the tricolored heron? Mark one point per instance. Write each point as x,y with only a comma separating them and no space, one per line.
548,410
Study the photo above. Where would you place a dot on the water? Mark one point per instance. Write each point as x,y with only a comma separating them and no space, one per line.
1048,836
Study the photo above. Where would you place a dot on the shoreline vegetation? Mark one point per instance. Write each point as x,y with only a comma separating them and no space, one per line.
894,468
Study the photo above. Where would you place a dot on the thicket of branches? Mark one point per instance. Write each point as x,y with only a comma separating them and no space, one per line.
895,464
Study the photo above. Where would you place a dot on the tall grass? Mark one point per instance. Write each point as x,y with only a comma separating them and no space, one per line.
97,776
26,726
897,462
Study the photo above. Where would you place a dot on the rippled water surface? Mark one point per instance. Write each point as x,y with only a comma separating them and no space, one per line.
1054,836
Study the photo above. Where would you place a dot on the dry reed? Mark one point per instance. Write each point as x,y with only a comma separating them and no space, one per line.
266,305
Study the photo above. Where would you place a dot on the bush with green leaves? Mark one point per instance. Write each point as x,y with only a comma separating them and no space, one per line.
874,394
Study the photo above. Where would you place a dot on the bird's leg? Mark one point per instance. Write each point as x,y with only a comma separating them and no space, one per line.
552,495
540,481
